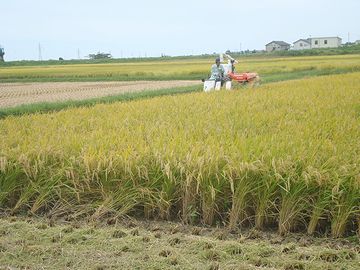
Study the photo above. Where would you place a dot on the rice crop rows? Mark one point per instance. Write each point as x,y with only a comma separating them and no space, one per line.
285,154
13,94
177,69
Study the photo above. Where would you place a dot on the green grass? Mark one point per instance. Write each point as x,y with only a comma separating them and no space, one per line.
311,72
347,49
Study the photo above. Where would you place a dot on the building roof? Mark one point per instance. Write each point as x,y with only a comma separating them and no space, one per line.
323,37
281,43
304,40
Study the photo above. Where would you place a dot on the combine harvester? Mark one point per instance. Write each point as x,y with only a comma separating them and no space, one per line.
247,78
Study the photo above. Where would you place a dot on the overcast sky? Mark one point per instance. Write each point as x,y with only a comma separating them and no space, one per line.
138,28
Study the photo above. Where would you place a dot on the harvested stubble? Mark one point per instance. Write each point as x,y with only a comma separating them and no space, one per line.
13,94
286,153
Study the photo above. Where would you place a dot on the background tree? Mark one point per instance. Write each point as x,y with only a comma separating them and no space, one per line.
2,52
100,55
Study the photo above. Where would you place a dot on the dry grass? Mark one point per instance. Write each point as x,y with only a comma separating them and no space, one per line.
32,244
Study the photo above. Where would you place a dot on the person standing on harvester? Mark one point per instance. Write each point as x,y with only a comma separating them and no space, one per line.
217,71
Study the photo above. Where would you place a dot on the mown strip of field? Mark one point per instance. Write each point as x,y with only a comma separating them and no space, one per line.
284,155
30,243
43,107
13,94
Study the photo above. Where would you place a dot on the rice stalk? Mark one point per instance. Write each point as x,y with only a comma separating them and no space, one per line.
346,199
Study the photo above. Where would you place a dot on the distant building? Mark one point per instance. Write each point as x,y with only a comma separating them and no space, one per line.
325,42
302,44
357,42
277,46
317,43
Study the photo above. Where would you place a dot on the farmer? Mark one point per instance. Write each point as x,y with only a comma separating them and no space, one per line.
231,70
217,71
232,63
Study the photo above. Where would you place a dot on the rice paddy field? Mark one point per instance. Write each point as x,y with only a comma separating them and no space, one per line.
285,154
281,161
270,68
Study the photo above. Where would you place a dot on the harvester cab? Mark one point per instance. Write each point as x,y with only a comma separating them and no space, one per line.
246,78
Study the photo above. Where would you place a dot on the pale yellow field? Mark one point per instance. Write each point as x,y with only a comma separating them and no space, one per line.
284,153
184,69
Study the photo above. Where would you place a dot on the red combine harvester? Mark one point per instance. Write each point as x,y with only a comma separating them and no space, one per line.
251,79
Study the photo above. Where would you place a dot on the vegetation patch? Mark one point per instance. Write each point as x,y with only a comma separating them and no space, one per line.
212,255
119,234
283,156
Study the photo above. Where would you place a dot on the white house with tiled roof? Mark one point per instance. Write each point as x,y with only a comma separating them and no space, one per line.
277,46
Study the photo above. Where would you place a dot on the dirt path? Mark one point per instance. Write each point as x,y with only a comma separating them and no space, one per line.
13,94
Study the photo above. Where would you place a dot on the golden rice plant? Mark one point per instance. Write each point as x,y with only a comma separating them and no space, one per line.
185,68
284,153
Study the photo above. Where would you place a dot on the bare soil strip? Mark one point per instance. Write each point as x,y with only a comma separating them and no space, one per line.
13,94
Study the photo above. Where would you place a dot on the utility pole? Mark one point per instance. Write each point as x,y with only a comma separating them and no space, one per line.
40,56
78,53
348,37
240,47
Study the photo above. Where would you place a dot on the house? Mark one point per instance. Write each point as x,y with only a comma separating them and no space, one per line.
302,44
325,42
277,46
317,42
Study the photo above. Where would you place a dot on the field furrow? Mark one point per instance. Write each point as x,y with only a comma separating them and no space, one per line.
12,94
